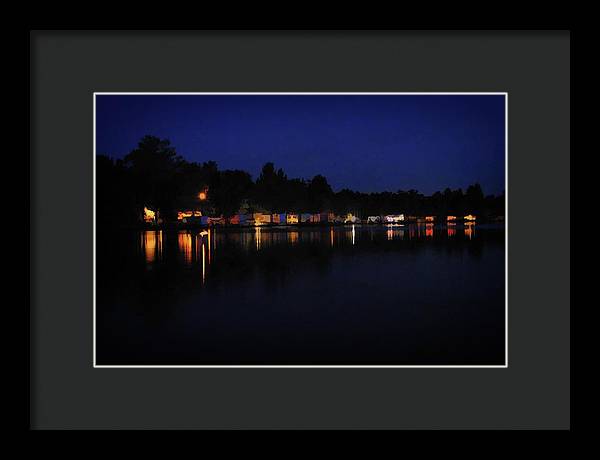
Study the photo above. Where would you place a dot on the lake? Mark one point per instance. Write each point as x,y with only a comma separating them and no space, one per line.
340,295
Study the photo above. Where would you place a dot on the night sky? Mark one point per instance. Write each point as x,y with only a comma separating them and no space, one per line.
365,143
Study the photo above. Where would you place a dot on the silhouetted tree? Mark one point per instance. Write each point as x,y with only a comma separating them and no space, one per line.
474,199
154,175
229,191
115,200
319,193
154,165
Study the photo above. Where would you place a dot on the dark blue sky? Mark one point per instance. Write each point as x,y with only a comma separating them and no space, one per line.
365,143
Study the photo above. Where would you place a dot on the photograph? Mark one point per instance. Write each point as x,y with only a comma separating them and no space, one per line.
300,229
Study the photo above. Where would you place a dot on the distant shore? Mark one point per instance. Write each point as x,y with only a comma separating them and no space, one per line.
198,226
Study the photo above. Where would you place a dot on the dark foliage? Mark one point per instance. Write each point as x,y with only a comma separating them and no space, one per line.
153,175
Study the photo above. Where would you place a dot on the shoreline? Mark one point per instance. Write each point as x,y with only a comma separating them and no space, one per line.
198,226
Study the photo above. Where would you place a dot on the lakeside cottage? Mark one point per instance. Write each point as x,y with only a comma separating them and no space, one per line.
149,216
189,216
261,219
326,217
216,221
393,218
280,218
243,218
351,219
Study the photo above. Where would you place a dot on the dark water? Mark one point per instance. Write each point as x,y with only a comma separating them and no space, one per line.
405,295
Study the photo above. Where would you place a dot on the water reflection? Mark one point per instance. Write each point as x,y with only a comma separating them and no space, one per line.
151,242
257,237
184,240
198,249
451,230
429,230
209,239
203,265
469,229
292,236
195,247
203,298
395,231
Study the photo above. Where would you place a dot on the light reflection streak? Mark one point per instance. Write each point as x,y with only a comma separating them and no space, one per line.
470,229
184,241
293,236
429,230
152,244
258,237
203,264
395,230
209,237
193,247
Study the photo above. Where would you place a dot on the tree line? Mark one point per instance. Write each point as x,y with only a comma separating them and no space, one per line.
153,175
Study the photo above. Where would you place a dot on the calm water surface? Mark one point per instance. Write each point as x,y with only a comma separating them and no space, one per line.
412,294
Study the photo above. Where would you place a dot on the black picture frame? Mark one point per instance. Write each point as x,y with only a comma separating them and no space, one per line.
66,68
